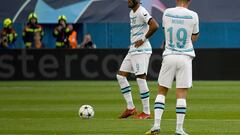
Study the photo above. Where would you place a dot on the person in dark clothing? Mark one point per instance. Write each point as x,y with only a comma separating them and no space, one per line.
87,42
7,35
30,29
62,32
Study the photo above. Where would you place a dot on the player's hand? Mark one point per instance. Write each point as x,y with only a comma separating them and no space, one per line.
138,43
70,27
59,28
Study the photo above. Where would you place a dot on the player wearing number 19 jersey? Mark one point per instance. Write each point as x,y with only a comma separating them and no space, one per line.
179,25
181,28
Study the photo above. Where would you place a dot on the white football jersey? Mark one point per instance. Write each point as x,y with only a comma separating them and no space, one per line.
139,28
179,25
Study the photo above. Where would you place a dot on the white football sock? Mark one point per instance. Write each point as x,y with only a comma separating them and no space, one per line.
144,91
158,110
181,108
126,91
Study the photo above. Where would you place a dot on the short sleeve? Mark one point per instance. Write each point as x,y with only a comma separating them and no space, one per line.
196,25
145,15
163,19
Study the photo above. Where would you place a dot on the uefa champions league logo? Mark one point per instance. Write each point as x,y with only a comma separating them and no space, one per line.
159,5
150,4
49,10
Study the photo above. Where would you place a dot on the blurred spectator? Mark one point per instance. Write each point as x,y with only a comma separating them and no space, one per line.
73,40
7,35
87,42
62,32
30,29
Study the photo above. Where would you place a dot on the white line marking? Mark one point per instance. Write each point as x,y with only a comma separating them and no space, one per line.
21,9
80,14
96,119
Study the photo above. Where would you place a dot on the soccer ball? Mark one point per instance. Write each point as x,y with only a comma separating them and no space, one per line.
86,112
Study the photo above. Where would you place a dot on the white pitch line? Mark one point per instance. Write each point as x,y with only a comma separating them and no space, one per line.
225,120
96,119
20,10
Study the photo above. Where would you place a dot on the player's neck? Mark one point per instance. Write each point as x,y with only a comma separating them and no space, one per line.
184,5
136,8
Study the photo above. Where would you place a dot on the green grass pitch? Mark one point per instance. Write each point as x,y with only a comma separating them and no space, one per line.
51,107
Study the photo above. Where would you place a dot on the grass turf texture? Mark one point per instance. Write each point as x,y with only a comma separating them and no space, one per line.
52,108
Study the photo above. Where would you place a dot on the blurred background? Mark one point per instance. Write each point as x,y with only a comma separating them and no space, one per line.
59,53
107,23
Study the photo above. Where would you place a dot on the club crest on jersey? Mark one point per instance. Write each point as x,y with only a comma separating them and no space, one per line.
134,20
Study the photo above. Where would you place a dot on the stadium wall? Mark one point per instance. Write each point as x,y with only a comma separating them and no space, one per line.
102,64
212,35
116,35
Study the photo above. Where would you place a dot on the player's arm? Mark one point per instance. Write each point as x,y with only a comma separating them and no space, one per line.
195,34
163,28
153,26
195,37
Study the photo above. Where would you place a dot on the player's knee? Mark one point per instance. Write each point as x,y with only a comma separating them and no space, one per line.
181,93
119,77
162,90
142,76
121,73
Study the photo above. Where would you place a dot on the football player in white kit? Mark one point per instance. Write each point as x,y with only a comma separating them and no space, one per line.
136,61
181,28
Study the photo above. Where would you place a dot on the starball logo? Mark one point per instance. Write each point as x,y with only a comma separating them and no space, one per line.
76,10
156,4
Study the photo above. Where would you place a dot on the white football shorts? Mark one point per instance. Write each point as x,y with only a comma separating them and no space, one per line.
177,67
136,64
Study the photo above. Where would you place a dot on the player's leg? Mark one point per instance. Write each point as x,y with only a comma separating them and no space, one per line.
144,95
159,107
140,65
181,107
184,82
122,75
165,80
